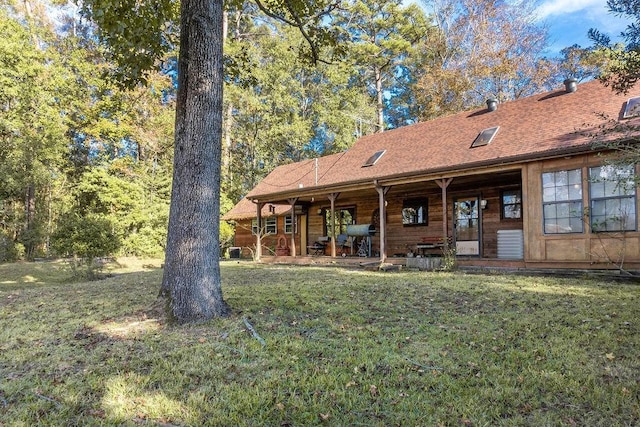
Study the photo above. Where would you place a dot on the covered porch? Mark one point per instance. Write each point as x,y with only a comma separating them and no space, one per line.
468,216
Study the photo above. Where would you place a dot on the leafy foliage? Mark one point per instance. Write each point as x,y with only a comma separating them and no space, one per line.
387,43
88,236
138,33
580,63
484,49
623,69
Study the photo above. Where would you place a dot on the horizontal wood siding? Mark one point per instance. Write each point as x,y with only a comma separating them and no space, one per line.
573,249
492,220
247,241
402,239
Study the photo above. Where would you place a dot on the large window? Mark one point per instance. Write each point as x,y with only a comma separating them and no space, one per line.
562,201
344,217
415,212
511,204
270,225
612,193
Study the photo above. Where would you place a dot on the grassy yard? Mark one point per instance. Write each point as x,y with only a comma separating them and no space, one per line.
342,348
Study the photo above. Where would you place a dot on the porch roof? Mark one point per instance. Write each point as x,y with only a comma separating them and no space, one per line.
246,209
545,125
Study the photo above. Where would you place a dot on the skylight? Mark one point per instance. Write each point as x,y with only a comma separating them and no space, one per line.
485,137
373,159
633,108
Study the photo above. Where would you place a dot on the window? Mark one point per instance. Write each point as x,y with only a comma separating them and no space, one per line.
562,201
612,194
344,217
270,225
415,212
288,223
373,159
632,108
511,204
485,137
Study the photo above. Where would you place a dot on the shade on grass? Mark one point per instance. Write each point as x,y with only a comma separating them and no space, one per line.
343,347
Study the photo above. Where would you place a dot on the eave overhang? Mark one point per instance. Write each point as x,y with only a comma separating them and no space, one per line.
472,168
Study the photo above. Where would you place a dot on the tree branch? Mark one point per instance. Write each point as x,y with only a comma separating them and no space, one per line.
296,20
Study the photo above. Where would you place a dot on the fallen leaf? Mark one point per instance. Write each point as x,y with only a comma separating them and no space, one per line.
99,413
324,417
350,384
610,356
373,390
280,406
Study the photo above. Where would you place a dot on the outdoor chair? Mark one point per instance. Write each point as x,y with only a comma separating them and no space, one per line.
343,243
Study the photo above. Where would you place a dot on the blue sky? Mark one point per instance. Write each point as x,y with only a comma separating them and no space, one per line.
569,21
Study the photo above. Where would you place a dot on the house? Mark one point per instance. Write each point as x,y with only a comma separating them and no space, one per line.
520,184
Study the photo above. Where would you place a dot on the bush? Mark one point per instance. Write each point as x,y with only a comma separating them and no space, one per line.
10,250
85,238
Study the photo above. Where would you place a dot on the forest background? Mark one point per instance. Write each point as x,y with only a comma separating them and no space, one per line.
86,163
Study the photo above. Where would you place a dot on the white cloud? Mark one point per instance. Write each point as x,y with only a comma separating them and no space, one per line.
563,7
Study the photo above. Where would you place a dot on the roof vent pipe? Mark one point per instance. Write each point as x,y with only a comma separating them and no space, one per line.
570,85
492,104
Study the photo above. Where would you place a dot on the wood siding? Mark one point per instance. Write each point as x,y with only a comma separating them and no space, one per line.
245,240
599,250
586,249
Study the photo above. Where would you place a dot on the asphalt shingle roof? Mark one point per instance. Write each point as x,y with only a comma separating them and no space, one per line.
543,125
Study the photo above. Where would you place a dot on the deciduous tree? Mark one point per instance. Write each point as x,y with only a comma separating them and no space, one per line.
486,49
134,30
32,145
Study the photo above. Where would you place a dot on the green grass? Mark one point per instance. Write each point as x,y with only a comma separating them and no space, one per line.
343,347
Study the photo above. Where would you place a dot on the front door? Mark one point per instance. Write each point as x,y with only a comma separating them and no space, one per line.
466,223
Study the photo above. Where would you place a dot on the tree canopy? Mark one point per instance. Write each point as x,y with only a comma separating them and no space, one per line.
623,67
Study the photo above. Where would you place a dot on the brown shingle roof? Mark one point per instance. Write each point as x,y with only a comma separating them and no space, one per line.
548,124
246,209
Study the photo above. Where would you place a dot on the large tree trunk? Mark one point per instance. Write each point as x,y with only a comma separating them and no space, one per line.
29,220
192,269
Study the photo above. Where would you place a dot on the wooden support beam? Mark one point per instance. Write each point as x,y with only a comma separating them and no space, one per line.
382,192
293,202
332,198
258,253
444,184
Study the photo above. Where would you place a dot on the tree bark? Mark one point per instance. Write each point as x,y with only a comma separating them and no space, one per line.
379,100
29,220
192,269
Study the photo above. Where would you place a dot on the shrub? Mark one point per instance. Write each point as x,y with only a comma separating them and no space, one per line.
85,238
9,250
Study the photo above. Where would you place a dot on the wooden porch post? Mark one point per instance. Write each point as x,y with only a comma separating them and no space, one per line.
443,184
382,191
332,199
259,230
293,202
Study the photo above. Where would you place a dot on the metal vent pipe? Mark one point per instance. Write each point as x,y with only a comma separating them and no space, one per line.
571,85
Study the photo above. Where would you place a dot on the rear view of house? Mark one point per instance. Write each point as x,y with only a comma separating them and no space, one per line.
522,184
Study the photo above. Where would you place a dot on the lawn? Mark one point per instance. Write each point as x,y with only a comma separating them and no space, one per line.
331,346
